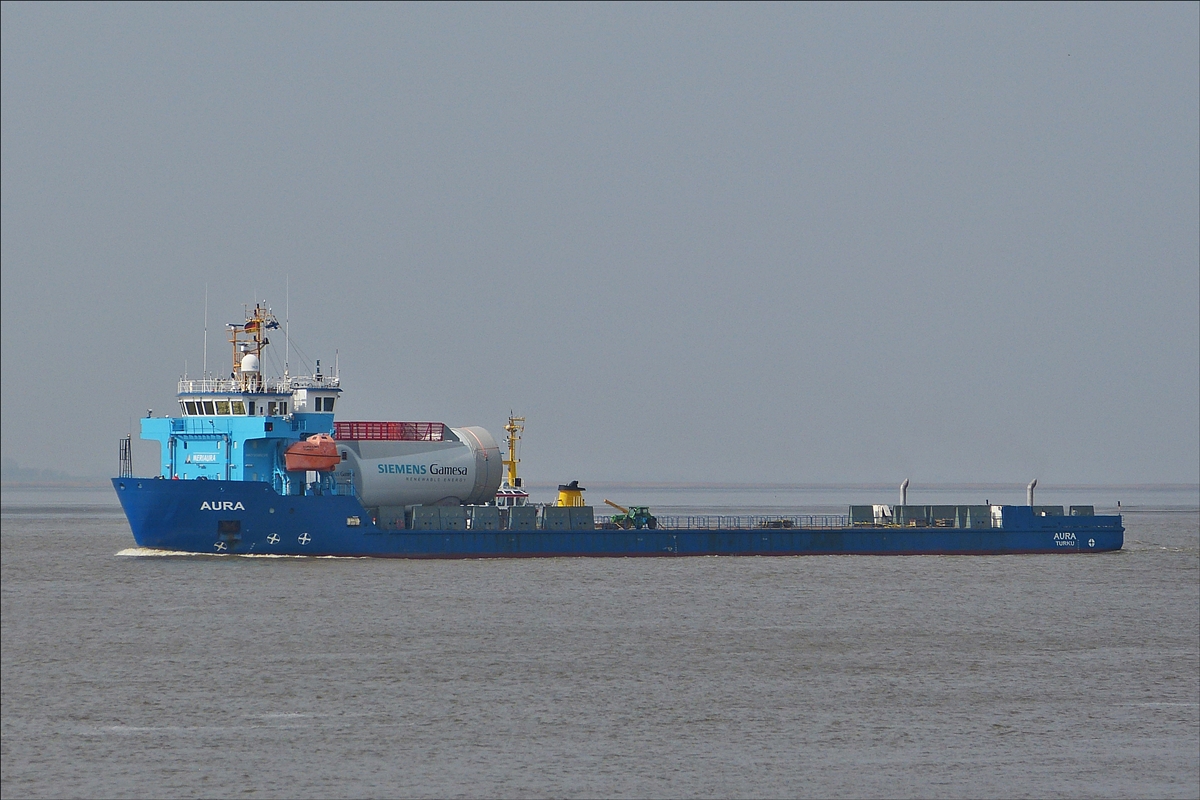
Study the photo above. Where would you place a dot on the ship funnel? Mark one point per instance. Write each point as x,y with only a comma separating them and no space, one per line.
1029,492
904,493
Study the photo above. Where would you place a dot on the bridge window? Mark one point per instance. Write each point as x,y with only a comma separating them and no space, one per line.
209,409
252,408
223,407
239,407
191,408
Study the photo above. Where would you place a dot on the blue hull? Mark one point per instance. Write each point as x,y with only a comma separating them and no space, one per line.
245,517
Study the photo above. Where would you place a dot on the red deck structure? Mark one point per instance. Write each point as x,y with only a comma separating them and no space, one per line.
390,431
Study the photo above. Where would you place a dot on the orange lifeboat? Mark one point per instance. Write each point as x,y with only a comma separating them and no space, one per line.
317,452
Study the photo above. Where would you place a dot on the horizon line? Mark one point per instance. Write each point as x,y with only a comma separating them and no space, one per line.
99,481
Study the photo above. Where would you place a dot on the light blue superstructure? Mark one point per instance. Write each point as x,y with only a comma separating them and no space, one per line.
237,428
234,448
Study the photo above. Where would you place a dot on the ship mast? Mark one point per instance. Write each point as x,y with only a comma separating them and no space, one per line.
514,428
248,340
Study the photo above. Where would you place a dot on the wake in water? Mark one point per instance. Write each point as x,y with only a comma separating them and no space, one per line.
147,552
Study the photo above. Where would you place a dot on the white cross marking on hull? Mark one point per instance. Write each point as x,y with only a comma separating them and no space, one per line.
304,538
273,538
220,546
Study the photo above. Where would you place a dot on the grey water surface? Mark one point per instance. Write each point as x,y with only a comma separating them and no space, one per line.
818,676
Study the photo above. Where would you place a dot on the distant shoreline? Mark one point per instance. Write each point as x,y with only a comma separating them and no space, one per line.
874,487
76,483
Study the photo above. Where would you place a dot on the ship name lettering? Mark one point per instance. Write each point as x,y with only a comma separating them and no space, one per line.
1064,535
222,505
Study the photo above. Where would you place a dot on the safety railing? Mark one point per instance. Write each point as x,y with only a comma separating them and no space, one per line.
723,522
266,386
232,386
390,431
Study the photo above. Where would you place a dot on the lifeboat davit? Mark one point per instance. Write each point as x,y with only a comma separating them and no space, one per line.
317,452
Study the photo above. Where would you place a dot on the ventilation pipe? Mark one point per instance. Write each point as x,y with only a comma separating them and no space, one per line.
904,493
1029,492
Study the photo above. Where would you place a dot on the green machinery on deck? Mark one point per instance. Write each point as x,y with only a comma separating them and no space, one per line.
633,517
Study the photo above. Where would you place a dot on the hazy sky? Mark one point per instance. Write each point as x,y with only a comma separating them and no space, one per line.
734,243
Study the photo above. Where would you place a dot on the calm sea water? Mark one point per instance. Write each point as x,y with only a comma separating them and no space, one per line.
851,676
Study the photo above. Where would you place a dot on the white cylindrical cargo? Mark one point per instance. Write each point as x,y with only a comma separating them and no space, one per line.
464,467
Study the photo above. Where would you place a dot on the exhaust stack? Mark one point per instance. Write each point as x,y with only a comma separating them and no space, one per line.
904,493
1029,492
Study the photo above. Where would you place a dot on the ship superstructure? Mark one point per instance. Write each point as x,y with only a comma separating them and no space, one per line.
239,428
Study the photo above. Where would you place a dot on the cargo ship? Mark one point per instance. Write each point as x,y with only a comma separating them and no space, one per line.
260,466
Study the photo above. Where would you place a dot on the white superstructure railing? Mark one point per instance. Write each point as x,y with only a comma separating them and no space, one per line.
270,386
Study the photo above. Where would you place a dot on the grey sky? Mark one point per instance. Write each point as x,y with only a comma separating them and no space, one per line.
689,242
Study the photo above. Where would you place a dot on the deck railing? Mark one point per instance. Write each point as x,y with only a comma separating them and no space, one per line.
230,386
719,522
268,385
390,431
